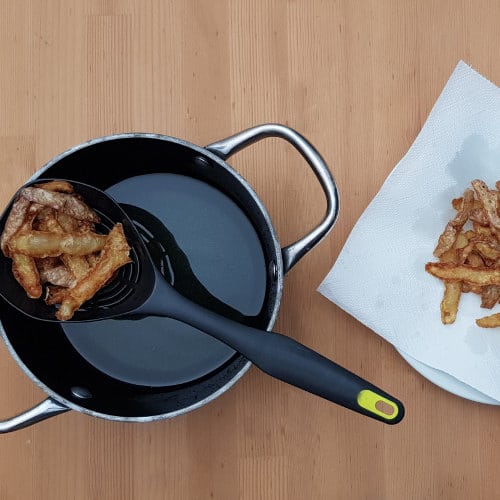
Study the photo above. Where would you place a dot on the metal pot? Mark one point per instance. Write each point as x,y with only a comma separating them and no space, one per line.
107,375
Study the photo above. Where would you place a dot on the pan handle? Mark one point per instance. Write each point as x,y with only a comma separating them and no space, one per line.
227,147
47,408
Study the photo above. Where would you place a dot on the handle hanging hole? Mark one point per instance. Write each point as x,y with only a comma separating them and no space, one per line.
377,404
384,407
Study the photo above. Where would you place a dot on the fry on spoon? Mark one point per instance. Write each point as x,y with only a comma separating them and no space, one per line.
114,255
50,236
48,244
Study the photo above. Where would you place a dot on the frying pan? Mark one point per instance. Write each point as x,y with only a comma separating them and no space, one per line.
74,368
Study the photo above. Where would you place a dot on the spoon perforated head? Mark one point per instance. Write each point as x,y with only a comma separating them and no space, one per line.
131,286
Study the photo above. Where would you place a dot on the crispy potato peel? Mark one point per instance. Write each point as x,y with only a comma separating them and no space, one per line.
49,244
114,255
469,259
50,236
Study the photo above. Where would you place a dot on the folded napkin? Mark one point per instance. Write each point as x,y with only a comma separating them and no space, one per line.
379,276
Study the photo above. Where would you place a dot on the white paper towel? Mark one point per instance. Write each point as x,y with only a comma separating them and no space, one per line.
379,276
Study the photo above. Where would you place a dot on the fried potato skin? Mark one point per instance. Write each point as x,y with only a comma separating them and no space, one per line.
489,200
492,321
48,244
23,266
52,270
54,295
72,225
469,259
26,274
114,255
453,228
57,185
77,264
64,202
14,222
460,272
50,237
451,299
490,295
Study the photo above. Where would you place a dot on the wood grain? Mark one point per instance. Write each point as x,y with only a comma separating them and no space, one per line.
358,78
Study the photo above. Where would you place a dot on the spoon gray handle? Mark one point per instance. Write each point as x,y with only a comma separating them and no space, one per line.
283,358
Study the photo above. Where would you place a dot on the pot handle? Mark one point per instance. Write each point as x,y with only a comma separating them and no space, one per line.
227,147
47,408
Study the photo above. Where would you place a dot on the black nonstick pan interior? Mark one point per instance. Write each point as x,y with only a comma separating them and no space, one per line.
208,249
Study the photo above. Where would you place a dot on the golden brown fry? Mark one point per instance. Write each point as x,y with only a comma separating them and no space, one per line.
492,321
450,255
68,223
452,290
459,252
457,204
453,228
461,241
459,272
464,253
58,185
468,288
67,203
451,299
446,240
23,267
490,295
481,230
72,225
49,234
487,250
114,255
47,244
474,260
55,295
33,211
41,220
92,258
49,223
59,275
26,274
478,215
45,263
52,270
14,222
489,200
76,264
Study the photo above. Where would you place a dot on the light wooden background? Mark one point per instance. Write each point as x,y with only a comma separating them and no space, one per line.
357,78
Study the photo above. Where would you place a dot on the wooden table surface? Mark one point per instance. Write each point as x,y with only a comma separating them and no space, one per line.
358,79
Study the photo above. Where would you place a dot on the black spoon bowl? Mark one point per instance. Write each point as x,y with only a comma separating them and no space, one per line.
139,289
